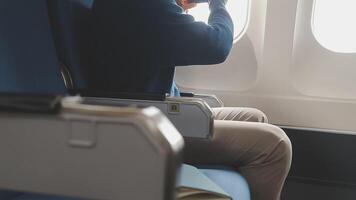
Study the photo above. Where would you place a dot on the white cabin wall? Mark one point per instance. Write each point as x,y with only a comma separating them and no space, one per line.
277,66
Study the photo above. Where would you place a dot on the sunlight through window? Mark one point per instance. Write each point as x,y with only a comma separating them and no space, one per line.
238,9
334,24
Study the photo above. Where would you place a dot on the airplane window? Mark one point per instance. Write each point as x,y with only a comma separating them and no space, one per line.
238,9
333,24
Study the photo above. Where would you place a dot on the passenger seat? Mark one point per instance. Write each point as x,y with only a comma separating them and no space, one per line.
71,26
60,146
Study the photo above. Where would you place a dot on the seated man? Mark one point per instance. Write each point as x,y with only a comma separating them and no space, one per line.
139,44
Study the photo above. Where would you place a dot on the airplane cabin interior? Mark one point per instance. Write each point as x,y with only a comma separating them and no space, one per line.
271,117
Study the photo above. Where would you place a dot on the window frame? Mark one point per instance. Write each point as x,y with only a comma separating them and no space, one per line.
317,38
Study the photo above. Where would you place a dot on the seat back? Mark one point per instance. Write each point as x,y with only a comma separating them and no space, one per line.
86,151
71,25
28,62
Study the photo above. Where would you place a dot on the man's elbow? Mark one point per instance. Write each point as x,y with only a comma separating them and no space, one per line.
222,53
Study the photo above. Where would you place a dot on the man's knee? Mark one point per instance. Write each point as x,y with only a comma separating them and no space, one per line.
282,147
256,115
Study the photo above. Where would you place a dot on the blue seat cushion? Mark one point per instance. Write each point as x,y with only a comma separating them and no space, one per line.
229,180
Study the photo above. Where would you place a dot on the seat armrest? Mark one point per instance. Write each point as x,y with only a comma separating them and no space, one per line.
30,103
187,94
191,116
91,152
121,95
212,100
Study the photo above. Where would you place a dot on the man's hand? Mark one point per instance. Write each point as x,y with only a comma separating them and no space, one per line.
224,1
185,4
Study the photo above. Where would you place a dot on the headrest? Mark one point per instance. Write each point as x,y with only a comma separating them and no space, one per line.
28,61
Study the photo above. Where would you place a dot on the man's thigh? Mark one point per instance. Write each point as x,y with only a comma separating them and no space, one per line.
240,114
236,143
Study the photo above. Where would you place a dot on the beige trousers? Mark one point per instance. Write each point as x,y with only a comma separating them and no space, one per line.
242,139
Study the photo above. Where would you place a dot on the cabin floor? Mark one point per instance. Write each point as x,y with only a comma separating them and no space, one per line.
297,190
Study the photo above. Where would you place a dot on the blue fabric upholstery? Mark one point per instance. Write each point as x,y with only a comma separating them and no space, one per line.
28,62
229,180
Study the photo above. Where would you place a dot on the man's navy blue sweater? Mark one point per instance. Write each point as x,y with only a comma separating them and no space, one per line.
140,42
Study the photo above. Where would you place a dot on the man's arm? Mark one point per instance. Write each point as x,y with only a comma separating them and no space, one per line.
184,41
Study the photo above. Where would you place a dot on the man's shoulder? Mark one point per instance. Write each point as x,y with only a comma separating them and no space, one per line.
155,11
161,6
